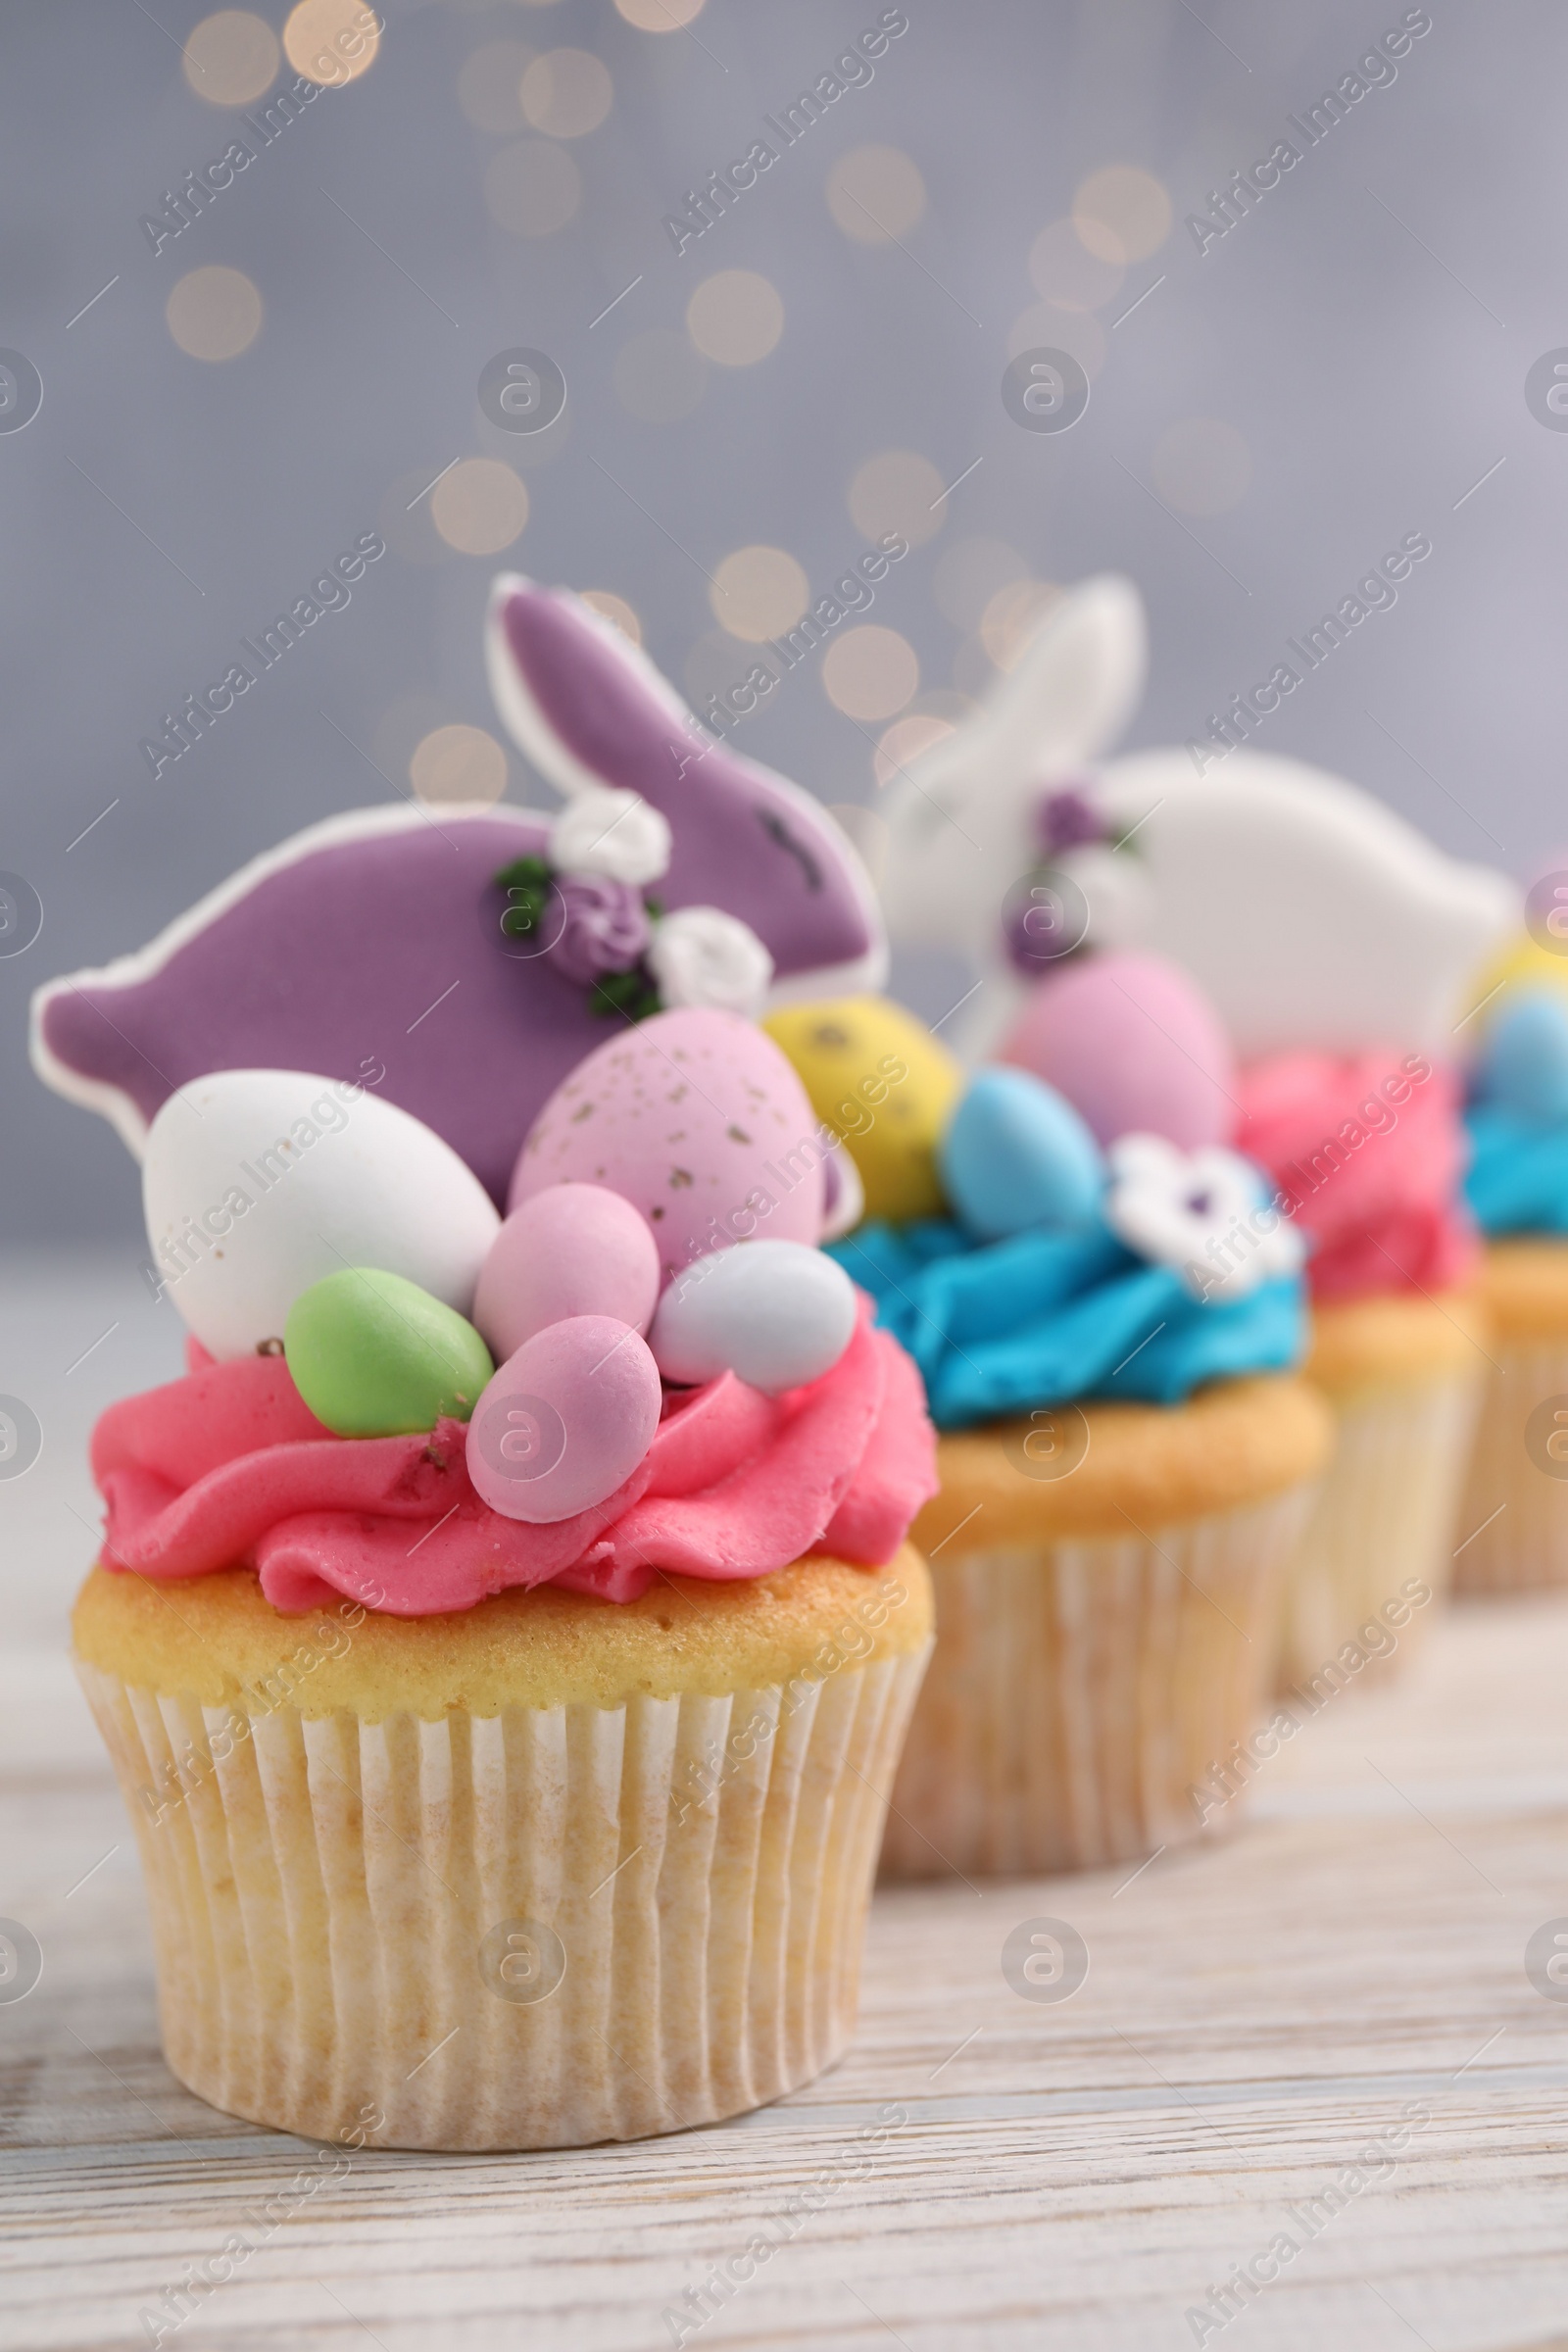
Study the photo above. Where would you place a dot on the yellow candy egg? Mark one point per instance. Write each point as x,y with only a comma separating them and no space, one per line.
1523,963
882,1082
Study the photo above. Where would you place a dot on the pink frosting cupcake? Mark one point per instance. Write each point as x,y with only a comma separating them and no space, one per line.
1369,1151
505,1632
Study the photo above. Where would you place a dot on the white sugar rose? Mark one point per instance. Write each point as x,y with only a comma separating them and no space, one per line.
1205,1214
701,956
611,834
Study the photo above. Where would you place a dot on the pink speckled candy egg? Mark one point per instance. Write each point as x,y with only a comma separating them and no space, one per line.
1136,1047
564,1421
571,1250
698,1120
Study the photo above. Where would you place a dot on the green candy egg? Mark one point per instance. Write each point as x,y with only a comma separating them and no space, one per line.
375,1356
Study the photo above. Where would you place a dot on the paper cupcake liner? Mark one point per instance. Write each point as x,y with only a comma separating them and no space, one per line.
1082,1692
1513,1521
541,1928
1385,1521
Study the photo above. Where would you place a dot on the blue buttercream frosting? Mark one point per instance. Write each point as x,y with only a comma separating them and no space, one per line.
1518,1179
1518,1119
1043,1318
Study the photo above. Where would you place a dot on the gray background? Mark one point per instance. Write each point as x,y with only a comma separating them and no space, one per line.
1374,364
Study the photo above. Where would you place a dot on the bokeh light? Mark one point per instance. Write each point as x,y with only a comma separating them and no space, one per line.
658,378
532,186
1013,615
967,574
480,506
456,763
875,194
869,673
735,316
231,58
1201,466
898,490
214,313
659,15
1122,213
904,742
331,42
759,591
489,84
612,608
1064,271
567,92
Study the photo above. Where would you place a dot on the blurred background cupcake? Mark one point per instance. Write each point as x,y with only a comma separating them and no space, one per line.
1516,1499
1106,1338
1368,1151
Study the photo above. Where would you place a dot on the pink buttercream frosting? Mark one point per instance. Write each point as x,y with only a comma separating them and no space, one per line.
1369,1151
228,1468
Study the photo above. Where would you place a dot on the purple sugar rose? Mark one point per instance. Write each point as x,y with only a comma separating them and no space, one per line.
1067,819
606,927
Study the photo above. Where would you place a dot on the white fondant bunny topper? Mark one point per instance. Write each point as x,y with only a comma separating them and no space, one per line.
1310,914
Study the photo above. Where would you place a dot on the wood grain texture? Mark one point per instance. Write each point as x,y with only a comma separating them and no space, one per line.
1054,2176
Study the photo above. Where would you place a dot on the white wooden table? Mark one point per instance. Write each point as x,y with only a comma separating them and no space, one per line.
1078,2174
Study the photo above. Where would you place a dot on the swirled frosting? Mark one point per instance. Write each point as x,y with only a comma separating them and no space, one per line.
1518,1176
228,1468
1368,1151
1043,1318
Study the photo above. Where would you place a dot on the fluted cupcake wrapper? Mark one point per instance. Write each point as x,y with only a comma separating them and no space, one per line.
541,1928
1385,1521
1513,1520
1083,1691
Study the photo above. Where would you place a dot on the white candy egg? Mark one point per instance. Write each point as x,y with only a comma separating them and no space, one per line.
256,1183
776,1313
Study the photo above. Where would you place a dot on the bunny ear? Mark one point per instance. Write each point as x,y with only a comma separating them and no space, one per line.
1077,682
957,818
577,698
588,708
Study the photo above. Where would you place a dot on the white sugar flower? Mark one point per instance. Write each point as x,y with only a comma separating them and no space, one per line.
701,956
1206,1214
612,834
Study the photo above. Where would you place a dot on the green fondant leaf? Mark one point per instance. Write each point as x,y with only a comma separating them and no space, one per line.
525,873
630,994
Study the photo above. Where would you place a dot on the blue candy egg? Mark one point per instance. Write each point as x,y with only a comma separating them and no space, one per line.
1017,1154
1524,1065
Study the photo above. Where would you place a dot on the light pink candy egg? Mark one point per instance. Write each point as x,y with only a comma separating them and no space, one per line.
564,1421
571,1250
1134,1047
698,1120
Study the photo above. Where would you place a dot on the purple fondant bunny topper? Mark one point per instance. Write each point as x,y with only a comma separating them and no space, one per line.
383,938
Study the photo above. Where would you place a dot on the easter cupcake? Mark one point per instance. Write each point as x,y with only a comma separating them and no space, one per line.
1106,1336
1515,1509
1368,1151
505,1632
